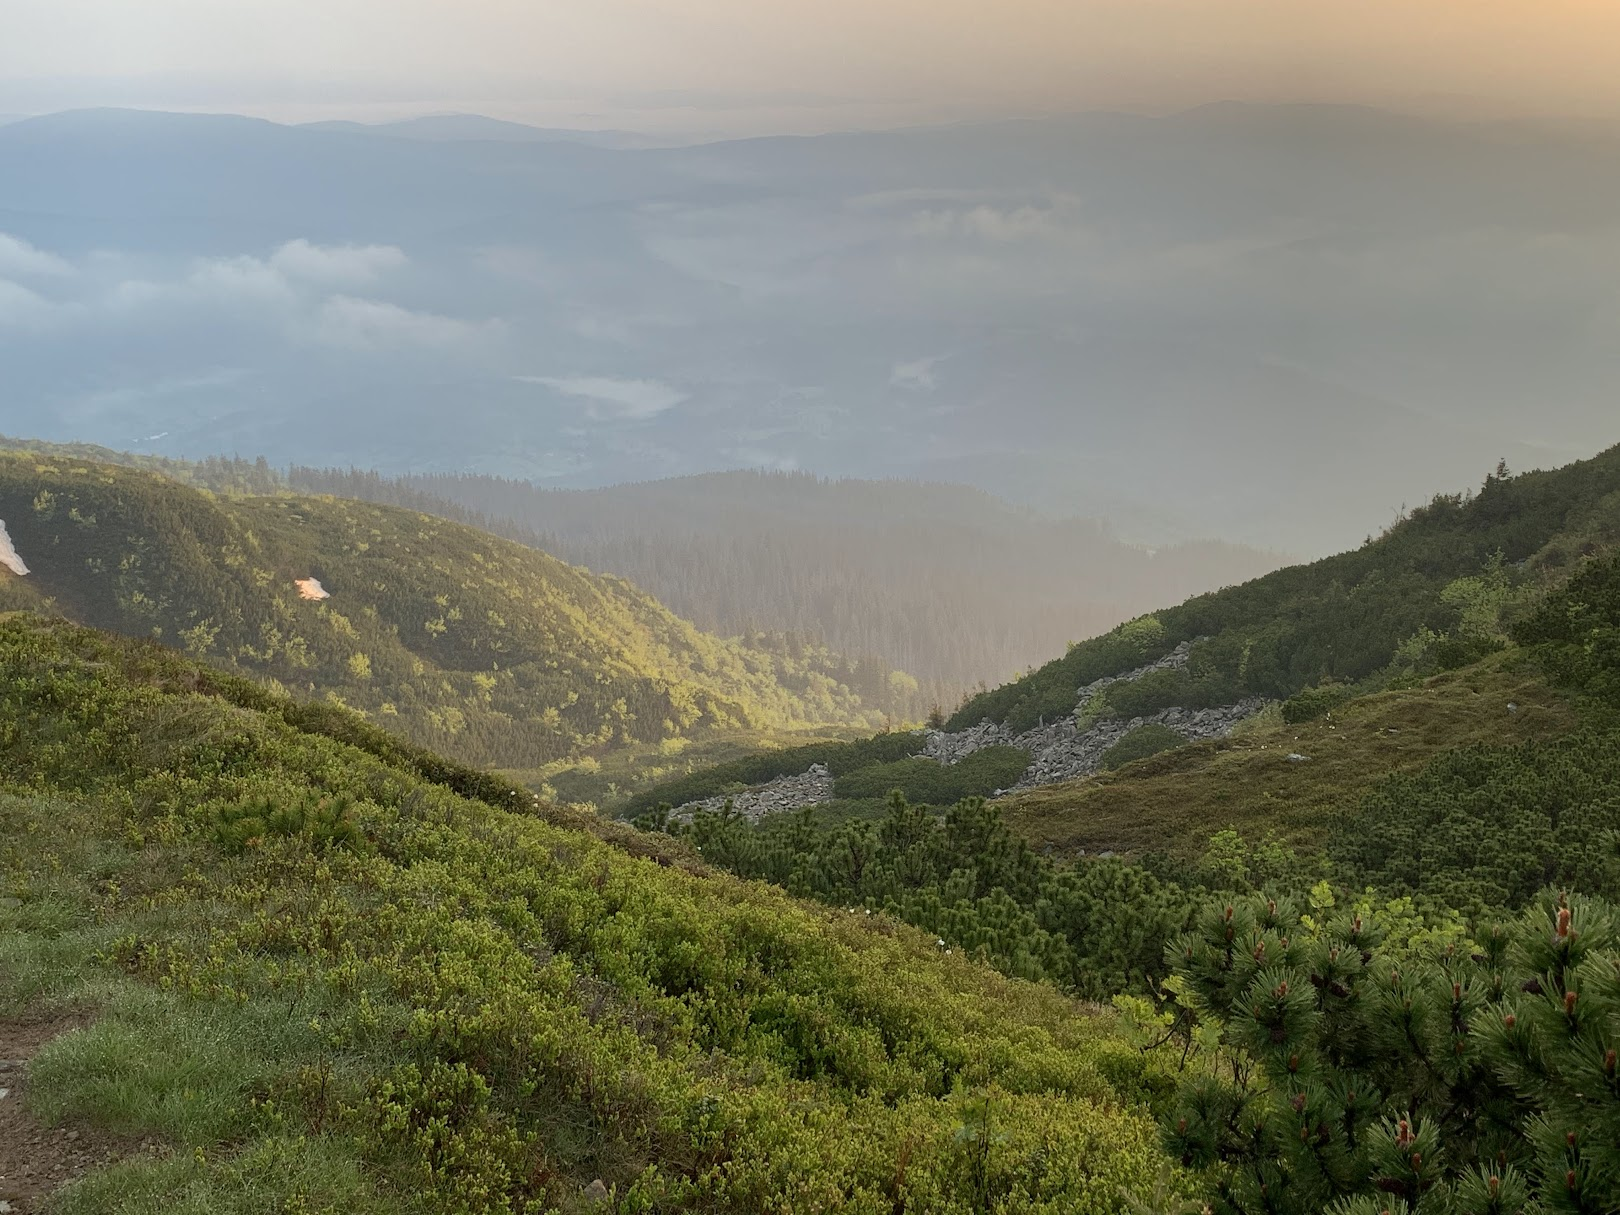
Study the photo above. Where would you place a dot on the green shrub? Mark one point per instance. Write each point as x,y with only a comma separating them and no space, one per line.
1338,1068
1145,740
1310,703
929,782
326,821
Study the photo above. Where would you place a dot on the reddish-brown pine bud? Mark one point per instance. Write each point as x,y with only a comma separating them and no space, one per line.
1608,1061
1355,925
1569,1181
1510,1020
1181,1127
1563,923
1456,992
1298,1102
1403,1133
1283,942
1271,907
1228,913
1417,1161
1304,1134
1569,1003
1569,1138
1496,1185
1293,1063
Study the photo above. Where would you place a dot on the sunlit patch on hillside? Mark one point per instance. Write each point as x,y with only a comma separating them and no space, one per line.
311,588
9,557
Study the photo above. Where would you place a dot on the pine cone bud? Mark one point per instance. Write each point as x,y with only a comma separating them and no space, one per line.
1563,923
1569,1003
1569,1138
1510,1020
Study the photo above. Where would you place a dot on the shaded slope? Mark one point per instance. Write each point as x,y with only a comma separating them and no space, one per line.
945,582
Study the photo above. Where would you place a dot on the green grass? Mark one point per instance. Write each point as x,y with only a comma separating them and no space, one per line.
467,1008
1177,800
292,1174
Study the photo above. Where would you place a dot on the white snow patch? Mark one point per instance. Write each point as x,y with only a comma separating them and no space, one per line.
311,588
8,552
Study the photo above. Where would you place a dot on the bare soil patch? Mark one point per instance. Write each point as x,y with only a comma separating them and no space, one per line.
35,1160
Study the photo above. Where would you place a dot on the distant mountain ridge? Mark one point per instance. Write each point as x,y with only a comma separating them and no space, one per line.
477,126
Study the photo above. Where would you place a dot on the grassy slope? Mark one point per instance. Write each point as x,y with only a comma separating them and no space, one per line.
1176,800
462,640
467,1008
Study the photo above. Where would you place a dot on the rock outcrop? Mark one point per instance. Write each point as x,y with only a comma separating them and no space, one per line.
776,797
1059,750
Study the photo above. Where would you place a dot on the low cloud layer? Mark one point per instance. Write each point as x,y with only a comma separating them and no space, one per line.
613,397
364,324
338,264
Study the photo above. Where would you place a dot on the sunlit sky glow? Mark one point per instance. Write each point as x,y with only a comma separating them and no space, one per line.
802,62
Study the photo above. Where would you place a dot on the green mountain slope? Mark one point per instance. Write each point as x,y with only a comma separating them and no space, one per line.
1342,618
305,967
478,645
948,583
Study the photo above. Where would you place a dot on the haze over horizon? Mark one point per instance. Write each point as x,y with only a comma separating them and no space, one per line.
726,67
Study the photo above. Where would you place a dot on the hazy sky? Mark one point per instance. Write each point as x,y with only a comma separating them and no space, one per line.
698,61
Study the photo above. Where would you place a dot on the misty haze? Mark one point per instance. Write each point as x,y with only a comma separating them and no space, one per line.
856,606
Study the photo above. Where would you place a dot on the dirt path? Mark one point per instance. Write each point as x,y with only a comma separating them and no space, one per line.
35,1160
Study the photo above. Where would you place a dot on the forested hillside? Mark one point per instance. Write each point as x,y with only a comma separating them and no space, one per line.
942,581
1424,582
484,647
